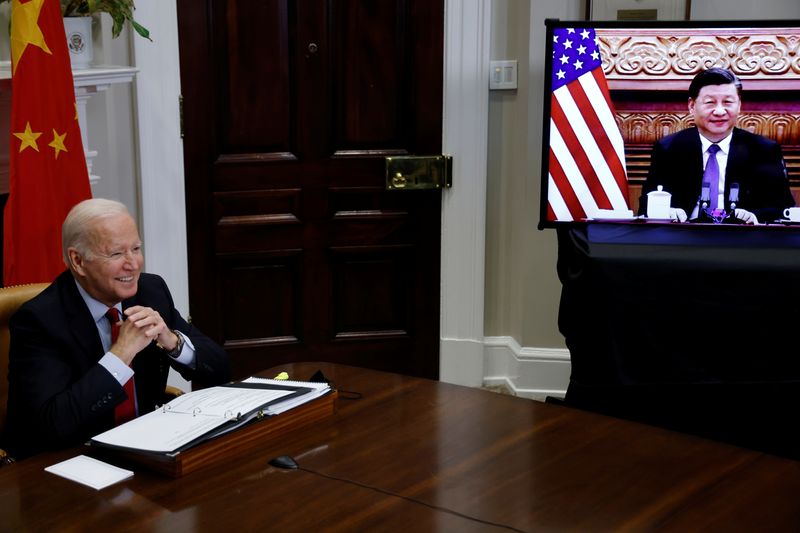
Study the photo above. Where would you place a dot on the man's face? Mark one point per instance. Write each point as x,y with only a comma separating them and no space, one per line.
715,110
111,272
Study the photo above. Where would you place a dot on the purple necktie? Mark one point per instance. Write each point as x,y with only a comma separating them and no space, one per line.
711,175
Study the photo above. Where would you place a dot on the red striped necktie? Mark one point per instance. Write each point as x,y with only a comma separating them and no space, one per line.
127,409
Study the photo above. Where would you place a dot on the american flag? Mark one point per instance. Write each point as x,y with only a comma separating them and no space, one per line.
587,156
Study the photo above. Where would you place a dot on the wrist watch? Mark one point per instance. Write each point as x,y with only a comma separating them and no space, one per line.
176,351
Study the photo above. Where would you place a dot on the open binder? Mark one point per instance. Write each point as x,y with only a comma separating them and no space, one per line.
187,432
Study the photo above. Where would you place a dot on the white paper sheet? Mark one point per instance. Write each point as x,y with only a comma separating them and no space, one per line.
89,471
187,418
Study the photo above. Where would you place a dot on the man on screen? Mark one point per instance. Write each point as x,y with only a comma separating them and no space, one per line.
680,162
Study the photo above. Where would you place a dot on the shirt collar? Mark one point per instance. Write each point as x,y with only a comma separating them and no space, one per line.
724,144
96,308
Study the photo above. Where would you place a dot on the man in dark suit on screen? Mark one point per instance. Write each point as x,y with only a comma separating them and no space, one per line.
680,162
95,347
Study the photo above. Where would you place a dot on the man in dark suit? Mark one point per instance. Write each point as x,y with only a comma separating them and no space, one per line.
73,368
753,162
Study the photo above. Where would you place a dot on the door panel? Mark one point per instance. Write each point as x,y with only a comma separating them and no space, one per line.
254,86
296,250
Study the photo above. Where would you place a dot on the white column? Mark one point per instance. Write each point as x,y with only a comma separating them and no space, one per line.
162,205
466,118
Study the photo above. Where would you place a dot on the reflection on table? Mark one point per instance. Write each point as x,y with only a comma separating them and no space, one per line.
418,455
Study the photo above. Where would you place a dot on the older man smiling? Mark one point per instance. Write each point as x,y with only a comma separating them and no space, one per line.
94,348
718,153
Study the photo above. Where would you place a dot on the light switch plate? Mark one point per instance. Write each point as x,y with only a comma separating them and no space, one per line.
503,74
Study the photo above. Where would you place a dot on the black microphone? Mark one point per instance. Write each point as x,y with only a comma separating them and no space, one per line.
733,196
705,192
703,201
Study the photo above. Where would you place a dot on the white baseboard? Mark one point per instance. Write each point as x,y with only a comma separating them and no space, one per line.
461,361
528,372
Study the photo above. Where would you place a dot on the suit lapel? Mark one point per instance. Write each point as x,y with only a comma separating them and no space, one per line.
695,149
737,160
82,326
691,148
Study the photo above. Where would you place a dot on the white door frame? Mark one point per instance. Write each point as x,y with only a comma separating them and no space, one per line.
465,137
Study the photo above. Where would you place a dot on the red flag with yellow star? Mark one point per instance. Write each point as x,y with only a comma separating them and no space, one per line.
47,164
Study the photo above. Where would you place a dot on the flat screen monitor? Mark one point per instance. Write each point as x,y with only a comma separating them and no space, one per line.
619,121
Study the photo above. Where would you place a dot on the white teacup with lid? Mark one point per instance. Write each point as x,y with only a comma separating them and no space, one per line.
792,214
658,204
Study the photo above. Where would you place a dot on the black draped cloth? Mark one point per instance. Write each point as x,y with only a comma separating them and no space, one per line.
694,328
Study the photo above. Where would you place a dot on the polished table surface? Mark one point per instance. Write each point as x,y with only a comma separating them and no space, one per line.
419,455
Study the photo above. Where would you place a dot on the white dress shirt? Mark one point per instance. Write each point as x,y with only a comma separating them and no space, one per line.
722,161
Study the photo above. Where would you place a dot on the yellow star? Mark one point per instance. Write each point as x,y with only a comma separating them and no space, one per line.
25,29
28,138
76,109
58,143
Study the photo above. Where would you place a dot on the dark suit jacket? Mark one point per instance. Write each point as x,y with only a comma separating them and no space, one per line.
754,162
59,395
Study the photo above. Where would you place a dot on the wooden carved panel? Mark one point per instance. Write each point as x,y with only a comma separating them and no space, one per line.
251,221
261,297
648,127
367,87
641,129
255,92
766,57
370,292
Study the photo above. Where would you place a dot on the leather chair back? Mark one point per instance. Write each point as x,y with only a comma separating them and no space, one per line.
11,298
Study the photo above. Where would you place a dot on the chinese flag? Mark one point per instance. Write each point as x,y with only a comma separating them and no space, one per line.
47,164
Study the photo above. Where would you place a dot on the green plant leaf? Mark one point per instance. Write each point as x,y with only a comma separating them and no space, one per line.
119,10
141,30
119,21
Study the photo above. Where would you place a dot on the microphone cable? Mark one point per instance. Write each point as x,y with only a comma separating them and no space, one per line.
287,462
386,492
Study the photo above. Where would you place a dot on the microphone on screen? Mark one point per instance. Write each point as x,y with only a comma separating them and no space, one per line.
733,196
705,194
700,213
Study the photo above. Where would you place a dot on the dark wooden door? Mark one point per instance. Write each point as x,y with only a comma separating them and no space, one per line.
296,251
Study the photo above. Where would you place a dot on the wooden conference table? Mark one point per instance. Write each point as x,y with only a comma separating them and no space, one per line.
427,448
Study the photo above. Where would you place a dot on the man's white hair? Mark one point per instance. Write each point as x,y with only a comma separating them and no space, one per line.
76,232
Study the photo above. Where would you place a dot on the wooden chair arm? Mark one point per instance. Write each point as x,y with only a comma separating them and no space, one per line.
171,392
5,459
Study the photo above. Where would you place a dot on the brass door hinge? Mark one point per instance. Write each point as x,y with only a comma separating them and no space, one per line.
180,112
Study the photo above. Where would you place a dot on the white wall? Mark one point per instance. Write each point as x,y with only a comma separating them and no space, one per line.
523,349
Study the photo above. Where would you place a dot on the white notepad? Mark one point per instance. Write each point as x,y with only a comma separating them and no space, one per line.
317,390
89,471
